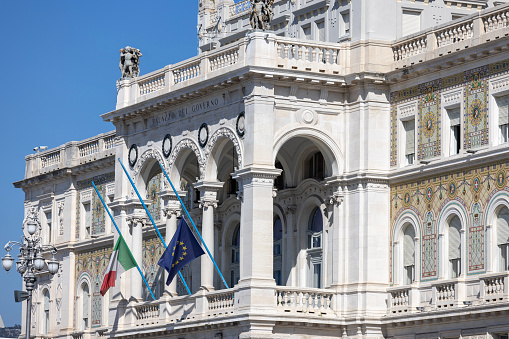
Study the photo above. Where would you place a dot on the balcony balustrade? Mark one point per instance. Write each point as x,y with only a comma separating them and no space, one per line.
484,290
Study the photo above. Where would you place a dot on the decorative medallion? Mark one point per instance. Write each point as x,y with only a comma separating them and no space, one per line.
429,193
429,120
241,124
167,145
476,184
406,198
203,135
133,155
501,179
452,189
476,114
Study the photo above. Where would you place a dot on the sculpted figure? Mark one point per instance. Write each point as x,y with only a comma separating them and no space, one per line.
261,14
129,62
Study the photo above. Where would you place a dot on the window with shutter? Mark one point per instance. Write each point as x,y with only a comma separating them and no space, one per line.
411,22
346,22
409,127
455,247
503,117
455,130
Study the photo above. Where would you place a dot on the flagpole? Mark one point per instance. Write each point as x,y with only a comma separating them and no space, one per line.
192,222
151,219
120,234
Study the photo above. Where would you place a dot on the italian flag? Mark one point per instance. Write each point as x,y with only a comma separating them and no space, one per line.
121,260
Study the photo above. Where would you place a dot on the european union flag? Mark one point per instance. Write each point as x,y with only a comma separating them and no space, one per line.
182,249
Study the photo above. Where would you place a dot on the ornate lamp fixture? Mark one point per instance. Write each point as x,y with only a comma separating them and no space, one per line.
30,261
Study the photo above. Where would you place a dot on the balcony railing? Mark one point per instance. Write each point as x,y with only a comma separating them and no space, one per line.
300,300
488,25
70,154
478,290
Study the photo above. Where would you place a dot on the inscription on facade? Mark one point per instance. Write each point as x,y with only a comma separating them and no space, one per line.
184,112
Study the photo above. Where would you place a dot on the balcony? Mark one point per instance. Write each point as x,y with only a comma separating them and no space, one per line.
484,290
208,308
71,154
465,33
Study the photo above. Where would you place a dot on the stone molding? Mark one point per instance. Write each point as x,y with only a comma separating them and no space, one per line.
148,154
192,145
231,135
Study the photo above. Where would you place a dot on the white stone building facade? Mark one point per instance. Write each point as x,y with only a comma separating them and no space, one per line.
347,170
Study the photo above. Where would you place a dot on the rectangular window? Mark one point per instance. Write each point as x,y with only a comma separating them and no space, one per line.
504,252
503,118
87,220
307,32
49,229
455,130
409,127
320,27
345,16
411,22
409,274
277,277
455,268
317,275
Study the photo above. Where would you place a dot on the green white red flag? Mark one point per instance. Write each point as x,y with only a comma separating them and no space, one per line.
121,260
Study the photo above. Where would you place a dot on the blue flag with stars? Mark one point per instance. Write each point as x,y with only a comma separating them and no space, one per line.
182,249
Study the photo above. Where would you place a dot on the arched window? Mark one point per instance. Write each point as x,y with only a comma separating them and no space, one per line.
315,227
235,257
85,306
314,242
455,247
45,320
409,254
503,237
277,240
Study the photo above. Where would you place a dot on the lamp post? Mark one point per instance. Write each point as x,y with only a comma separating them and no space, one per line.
30,261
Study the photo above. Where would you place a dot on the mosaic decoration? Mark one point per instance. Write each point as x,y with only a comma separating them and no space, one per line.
97,210
476,240
475,108
472,189
429,117
152,251
394,132
153,189
93,264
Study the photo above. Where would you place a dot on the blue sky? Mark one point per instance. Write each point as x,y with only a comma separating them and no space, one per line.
59,62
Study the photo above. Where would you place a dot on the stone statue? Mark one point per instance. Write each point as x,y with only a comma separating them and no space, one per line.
261,14
129,62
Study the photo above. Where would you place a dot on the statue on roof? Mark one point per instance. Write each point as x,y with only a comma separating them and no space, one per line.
261,14
129,62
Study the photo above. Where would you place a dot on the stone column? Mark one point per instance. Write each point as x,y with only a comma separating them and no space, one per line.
171,213
256,285
137,223
208,191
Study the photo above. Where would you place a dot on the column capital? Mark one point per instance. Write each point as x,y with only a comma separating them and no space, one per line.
206,203
137,220
168,212
335,199
208,186
257,174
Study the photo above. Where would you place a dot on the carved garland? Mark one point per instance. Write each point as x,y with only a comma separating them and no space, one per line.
187,143
228,133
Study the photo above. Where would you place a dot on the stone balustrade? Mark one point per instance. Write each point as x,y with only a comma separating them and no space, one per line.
147,313
221,302
479,28
152,83
494,288
304,300
71,154
240,8
476,290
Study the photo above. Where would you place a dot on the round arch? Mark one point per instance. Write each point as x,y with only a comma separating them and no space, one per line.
179,155
407,219
215,147
325,144
495,205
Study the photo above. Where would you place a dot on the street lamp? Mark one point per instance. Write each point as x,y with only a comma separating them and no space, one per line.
30,261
